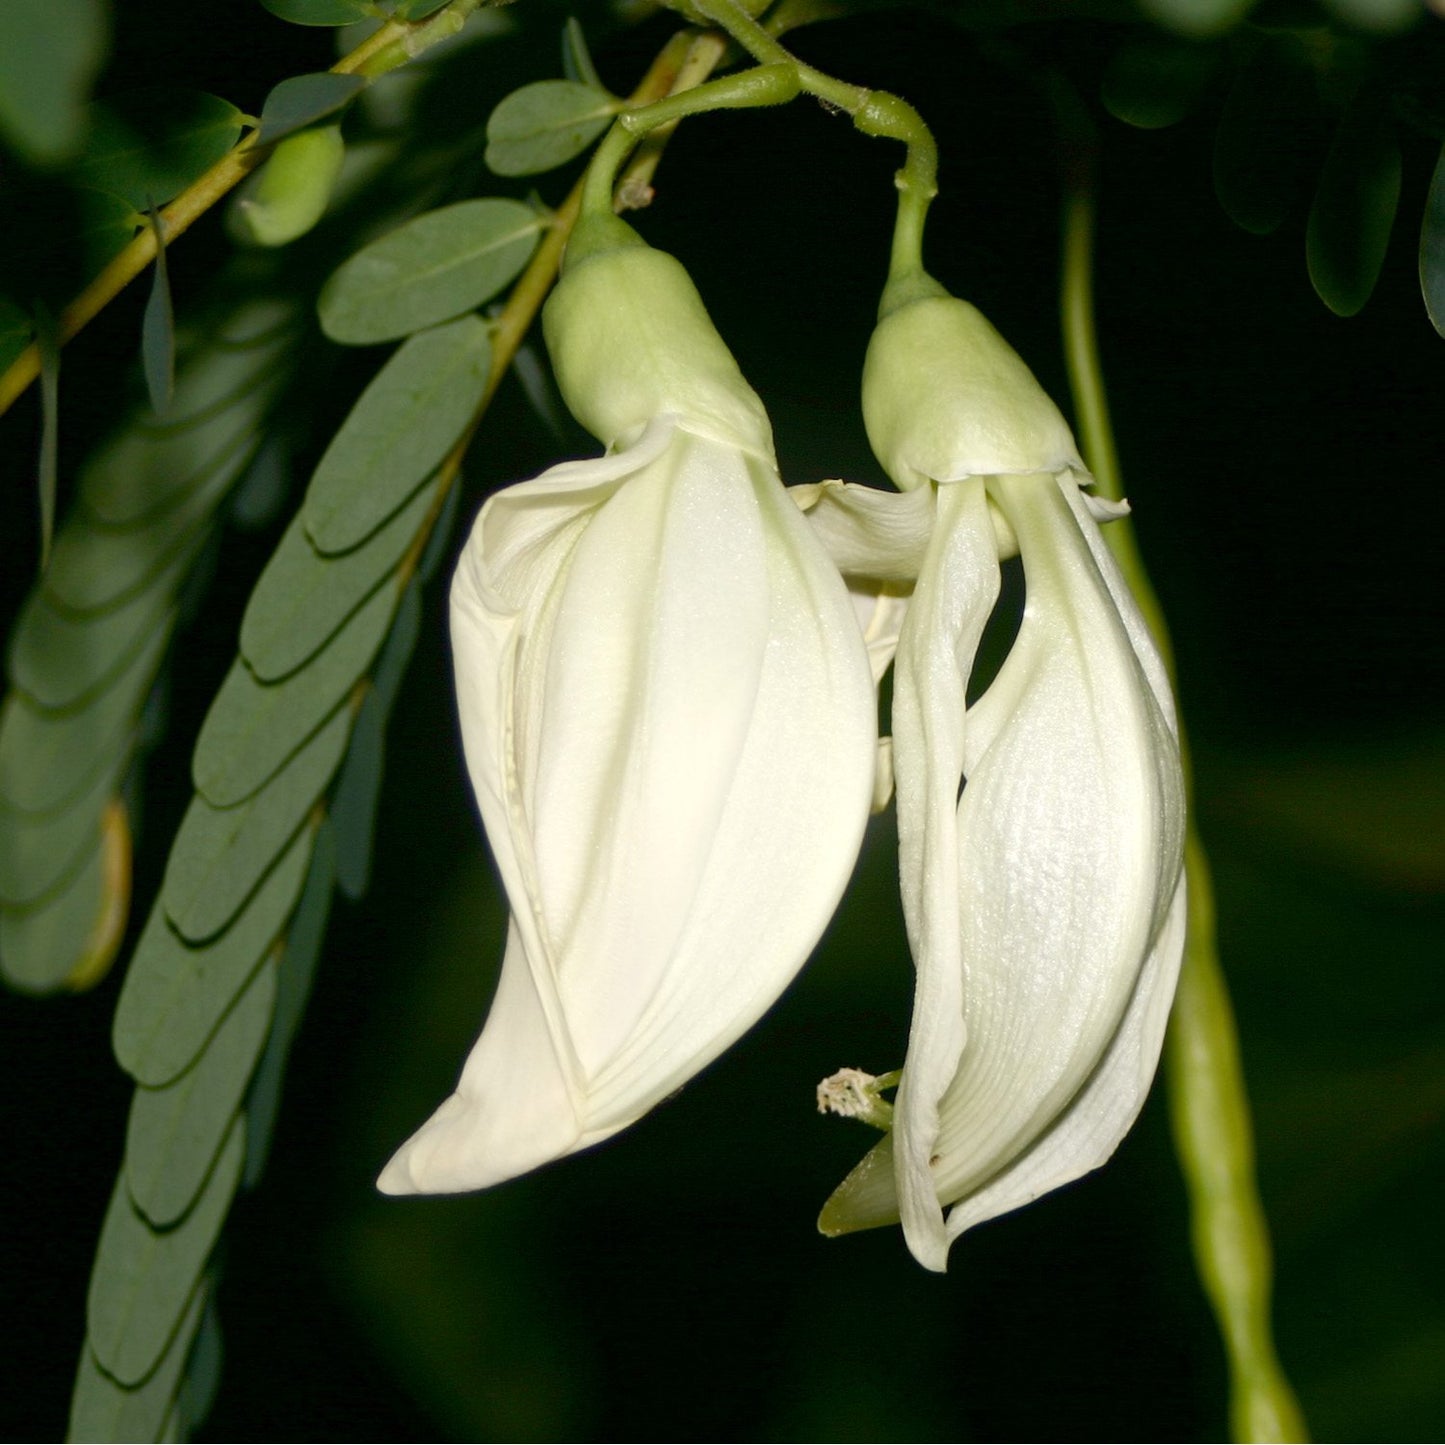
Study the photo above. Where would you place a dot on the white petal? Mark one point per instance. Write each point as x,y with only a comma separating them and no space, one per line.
882,536
1062,866
1103,1111
1068,850
955,594
674,769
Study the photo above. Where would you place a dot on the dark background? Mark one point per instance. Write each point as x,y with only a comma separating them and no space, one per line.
1285,468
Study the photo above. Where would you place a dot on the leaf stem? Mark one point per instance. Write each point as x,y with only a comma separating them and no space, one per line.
1209,1103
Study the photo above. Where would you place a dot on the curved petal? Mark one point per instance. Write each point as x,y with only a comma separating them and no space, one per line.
673,751
1104,1110
955,594
1069,834
1045,905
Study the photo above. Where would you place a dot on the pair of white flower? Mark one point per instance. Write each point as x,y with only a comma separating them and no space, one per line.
668,709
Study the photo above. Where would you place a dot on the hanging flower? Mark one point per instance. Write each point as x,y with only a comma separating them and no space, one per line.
669,723
1041,826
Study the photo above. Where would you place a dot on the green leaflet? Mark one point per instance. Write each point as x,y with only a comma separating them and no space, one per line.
221,854
253,727
49,759
1432,248
40,852
576,57
358,789
175,994
1156,80
1354,206
60,662
546,124
297,969
302,598
142,474
417,9
102,1409
431,269
319,12
40,946
143,1280
49,52
405,422
1198,18
302,99
149,145
175,1131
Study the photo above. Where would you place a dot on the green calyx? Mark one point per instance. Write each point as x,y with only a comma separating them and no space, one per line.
946,397
596,234
630,339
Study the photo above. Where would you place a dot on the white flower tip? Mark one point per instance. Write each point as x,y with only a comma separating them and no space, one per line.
464,1147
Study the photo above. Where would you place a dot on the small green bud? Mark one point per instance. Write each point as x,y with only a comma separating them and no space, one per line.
630,339
946,397
290,192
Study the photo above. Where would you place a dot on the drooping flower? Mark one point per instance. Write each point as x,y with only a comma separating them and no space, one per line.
1040,826
669,724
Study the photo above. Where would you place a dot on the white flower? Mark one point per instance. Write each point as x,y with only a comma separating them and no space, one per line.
669,723
1041,827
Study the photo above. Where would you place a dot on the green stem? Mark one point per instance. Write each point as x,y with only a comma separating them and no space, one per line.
761,86
1209,1104
874,112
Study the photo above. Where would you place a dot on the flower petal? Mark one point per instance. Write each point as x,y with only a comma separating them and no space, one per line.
1057,871
672,741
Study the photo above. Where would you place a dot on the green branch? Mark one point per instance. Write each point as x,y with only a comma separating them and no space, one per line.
393,45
